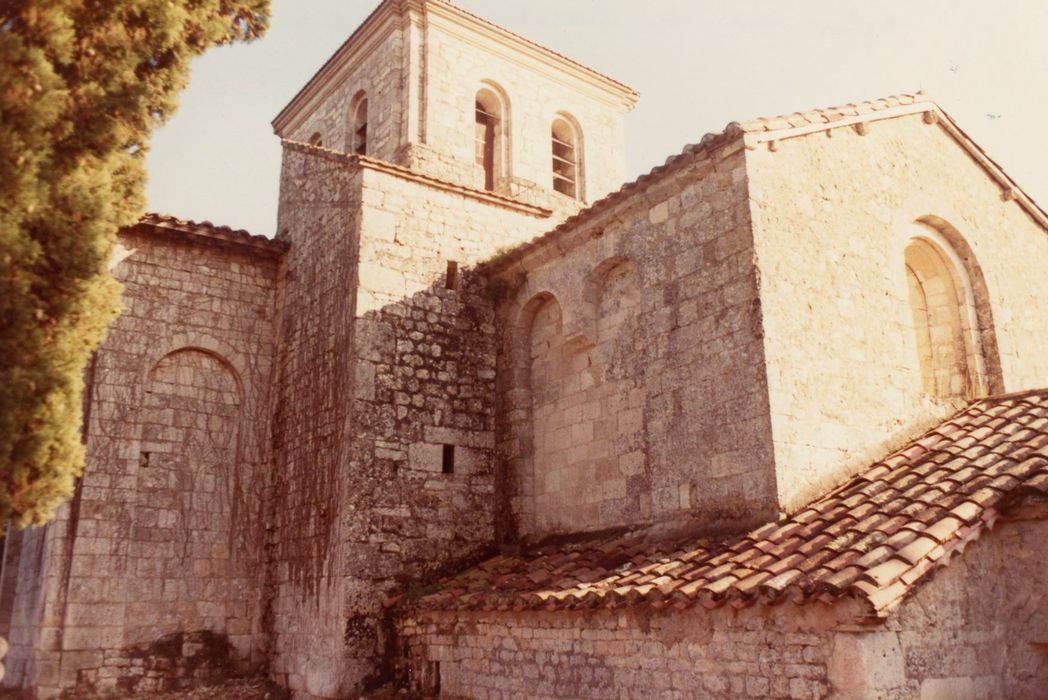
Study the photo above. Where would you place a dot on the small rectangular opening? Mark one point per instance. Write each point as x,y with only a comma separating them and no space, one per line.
143,459
449,459
452,280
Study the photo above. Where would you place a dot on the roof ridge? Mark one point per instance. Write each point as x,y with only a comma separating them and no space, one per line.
1018,394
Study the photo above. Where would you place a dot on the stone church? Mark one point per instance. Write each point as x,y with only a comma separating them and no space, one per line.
481,421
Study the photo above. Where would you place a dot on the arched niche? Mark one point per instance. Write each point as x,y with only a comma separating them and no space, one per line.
951,317
611,296
190,490
579,429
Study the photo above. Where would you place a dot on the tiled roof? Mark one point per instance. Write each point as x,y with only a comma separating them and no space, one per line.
208,230
874,538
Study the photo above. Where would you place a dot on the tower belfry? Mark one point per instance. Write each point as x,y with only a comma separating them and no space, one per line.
446,93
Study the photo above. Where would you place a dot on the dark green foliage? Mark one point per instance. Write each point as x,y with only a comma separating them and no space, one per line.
82,85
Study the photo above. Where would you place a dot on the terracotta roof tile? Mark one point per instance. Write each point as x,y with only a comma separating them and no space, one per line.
210,231
875,537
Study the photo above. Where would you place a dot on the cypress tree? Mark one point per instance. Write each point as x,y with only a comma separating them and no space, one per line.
82,85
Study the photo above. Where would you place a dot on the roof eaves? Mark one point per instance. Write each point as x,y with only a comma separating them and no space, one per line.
768,129
391,8
206,231
330,66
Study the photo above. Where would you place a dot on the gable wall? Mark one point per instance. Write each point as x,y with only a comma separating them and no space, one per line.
832,216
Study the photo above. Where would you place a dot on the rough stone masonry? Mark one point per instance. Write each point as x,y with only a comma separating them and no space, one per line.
482,421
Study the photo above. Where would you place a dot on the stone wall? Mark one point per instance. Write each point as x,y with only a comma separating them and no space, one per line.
832,217
163,533
319,214
633,385
385,406
761,652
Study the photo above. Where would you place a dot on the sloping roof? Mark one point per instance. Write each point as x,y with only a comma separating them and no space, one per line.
875,538
765,129
207,231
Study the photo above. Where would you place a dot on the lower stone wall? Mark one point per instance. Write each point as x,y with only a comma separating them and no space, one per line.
175,661
979,629
758,652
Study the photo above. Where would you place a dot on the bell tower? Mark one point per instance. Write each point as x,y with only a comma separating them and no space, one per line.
443,92
430,141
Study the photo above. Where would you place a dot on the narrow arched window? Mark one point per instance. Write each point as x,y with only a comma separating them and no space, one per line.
565,158
940,322
316,139
488,129
359,125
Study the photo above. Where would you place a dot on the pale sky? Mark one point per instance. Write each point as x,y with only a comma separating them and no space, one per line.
698,65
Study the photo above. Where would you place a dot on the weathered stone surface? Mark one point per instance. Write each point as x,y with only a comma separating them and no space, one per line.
285,437
165,532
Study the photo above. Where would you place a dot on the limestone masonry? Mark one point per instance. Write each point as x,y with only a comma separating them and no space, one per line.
481,421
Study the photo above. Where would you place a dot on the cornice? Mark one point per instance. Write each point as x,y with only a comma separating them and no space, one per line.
376,165
207,233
